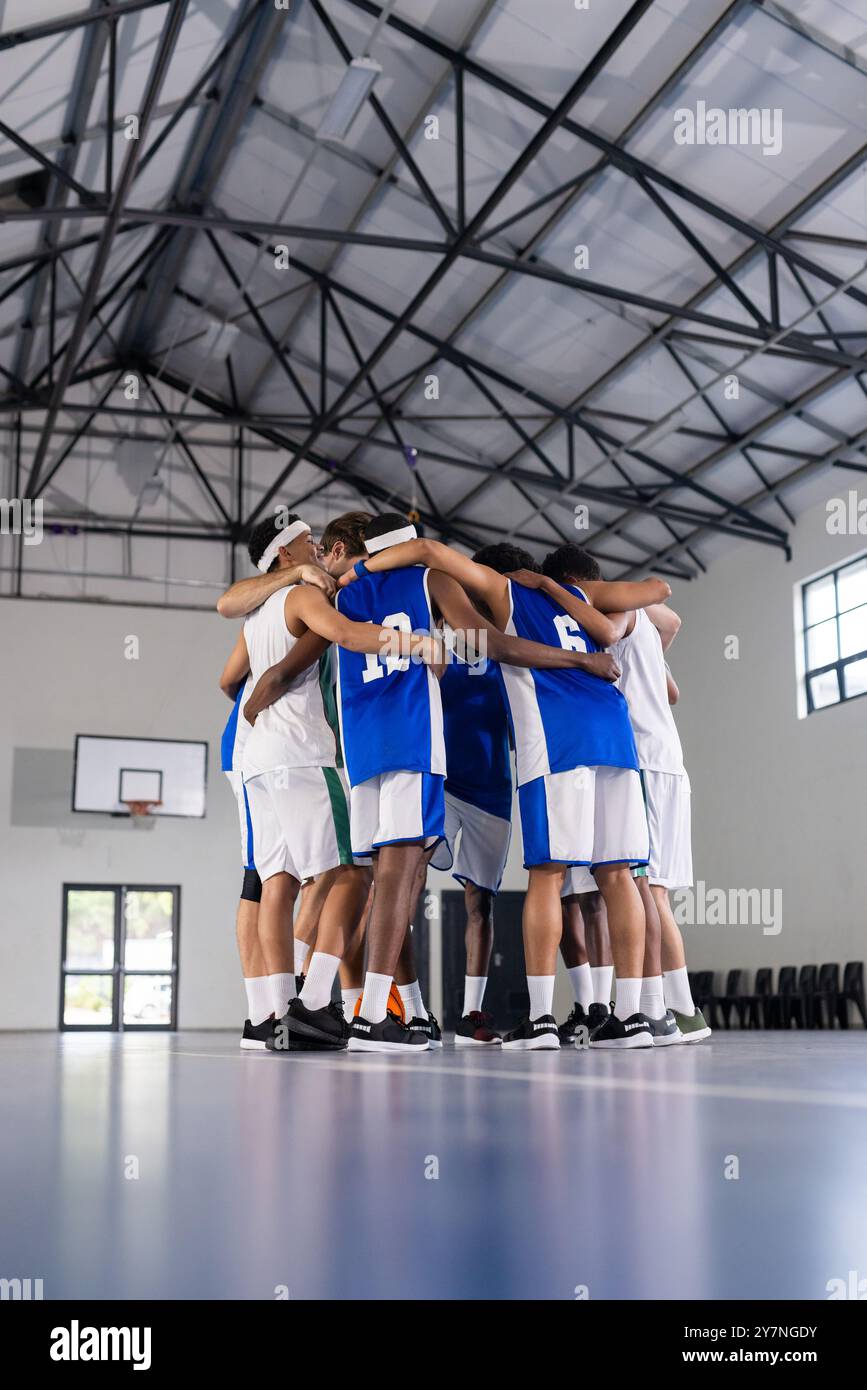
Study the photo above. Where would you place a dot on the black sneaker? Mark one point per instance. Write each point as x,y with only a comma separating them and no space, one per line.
255,1035
534,1035
389,1035
596,1015
634,1031
474,1030
429,1027
665,1030
283,1040
325,1025
577,1019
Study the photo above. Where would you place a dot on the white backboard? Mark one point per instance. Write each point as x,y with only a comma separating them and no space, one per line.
109,771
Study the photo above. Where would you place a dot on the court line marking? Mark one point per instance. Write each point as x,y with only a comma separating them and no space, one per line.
762,1094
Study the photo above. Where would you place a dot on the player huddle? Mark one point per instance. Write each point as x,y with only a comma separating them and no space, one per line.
379,685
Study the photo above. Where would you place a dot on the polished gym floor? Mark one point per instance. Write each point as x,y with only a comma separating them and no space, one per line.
446,1175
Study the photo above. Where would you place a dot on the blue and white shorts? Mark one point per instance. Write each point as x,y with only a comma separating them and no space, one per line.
395,807
236,782
476,844
588,815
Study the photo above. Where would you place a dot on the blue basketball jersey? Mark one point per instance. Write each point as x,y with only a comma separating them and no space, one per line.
235,733
391,717
476,727
566,718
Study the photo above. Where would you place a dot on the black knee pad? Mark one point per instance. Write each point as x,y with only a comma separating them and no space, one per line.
251,892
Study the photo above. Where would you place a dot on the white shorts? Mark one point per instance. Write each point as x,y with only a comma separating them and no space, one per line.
236,782
484,844
588,815
578,880
300,819
668,798
395,807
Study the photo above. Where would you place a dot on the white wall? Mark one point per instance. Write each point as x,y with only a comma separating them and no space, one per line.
65,673
778,801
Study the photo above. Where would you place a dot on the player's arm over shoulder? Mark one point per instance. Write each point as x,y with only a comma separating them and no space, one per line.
245,595
480,581
603,629
619,595
484,639
278,678
313,609
666,622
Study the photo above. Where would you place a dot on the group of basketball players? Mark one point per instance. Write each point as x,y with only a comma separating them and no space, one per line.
380,683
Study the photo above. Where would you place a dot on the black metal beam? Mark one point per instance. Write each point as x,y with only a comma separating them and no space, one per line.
364,486
86,195
79,433
175,437
281,356
701,250
47,254
552,122
574,187
217,222
382,177
159,67
803,346
619,157
203,161
383,404
388,125
563,414
32,33
198,86
111,95
87,72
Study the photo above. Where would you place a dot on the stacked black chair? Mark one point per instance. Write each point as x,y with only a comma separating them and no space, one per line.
809,997
702,989
731,998
807,1005
827,994
782,1006
852,993
755,1005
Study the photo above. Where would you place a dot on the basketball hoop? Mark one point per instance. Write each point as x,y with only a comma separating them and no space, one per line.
142,813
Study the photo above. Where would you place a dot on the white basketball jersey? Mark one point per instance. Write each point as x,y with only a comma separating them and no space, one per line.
293,732
643,682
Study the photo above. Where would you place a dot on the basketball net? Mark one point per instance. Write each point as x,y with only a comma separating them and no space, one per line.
142,813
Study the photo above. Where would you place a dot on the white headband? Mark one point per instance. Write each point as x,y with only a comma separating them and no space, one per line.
404,533
282,538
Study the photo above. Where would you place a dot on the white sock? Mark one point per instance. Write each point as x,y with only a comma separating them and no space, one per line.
678,996
260,998
316,992
628,998
602,976
283,989
541,989
374,999
582,985
474,993
413,1005
301,949
350,998
652,1003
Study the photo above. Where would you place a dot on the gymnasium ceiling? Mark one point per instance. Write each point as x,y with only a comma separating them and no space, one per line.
150,265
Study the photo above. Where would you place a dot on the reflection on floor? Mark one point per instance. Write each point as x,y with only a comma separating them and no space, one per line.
175,1166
